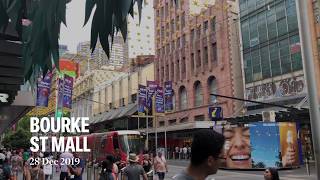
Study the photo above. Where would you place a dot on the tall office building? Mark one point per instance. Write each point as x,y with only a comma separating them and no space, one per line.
141,35
271,52
118,54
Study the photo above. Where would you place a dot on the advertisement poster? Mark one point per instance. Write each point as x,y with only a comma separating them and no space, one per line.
168,96
43,90
289,144
67,91
215,113
159,100
151,87
237,146
264,139
142,98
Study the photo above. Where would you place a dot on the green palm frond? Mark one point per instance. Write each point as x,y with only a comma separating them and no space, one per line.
109,18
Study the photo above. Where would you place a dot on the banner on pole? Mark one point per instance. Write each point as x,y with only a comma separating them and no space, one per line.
151,88
43,90
159,100
168,96
67,91
60,90
142,99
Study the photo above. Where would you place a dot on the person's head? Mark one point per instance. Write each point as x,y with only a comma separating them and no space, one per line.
271,174
75,154
110,158
238,149
206,150
159,154
133,158
117,151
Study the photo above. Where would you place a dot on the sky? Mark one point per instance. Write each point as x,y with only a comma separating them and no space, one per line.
75,32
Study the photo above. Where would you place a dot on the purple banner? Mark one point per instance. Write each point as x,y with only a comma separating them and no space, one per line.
43,90
159,100
151,87
142,98
60,93
168,96
67,91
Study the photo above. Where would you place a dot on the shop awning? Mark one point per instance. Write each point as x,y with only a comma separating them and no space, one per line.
115,113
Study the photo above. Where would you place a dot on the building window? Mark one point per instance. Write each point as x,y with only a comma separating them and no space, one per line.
199,32
262,27
198,100
285,56
183,98
183,66
198,61
199,118
161,123
184,120
122,102
205,26
172,72
274,59
265,62
212,84
253,31
256,65
214,56
178,70
295,51
291,15
192,36
172,122
205,56
247,67
245,34
192,63
183,19
272,23
213,24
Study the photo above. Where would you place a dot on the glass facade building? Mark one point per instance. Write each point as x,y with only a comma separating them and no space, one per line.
270,38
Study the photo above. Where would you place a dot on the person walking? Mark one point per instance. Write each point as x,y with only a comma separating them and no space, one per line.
64,174
108,170
76,170
47,168
271,174
160,166
185,151
134,170
35,173
206,152
16,164
5,170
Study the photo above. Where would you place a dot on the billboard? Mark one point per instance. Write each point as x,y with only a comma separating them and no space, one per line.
151,87
168,96
247,145
67,91
159,100
69,67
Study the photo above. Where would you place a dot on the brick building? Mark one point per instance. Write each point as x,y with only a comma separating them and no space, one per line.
197,48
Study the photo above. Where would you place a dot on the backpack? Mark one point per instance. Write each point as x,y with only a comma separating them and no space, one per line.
105,175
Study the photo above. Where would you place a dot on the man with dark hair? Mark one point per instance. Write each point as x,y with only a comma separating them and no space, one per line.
206,152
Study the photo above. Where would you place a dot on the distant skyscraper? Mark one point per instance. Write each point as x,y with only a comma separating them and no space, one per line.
141,36
62,49
118,54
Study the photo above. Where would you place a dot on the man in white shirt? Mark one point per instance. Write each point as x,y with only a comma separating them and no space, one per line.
64,175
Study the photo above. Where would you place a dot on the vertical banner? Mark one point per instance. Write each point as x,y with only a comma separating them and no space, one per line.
142,98
43,90
67,91
168,96
60,93
151,87
159,100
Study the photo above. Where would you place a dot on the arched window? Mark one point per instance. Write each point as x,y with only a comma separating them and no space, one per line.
198,94
183,98
212,85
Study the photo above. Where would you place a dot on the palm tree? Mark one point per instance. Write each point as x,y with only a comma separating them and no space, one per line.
38,25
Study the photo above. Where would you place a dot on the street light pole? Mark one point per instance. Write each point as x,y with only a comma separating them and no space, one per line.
309,72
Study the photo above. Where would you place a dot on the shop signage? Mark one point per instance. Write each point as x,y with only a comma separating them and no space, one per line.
287,87
4,97
215,113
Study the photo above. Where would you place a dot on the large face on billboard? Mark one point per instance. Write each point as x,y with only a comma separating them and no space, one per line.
237,147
